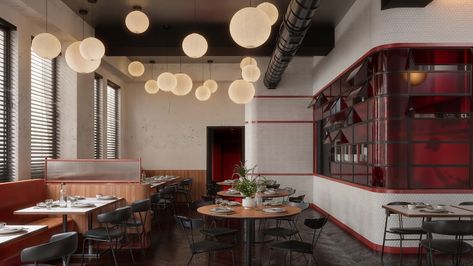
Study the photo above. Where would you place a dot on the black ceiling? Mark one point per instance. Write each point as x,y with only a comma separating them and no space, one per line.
172,20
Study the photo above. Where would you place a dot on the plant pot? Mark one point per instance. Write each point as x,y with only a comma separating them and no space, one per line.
248,203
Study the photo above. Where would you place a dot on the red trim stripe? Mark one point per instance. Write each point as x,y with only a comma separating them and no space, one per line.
362,239
279,122
398,191
284,96
292,174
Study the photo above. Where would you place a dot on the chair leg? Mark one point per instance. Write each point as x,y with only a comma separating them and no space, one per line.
400,249
315,259
83,251
113,252
190,259
233,257
384,237
269,259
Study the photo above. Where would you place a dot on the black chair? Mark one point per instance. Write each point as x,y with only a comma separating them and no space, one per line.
297,199
114,229
285,232
453,247
188,226
168,198
401,231
212,231
275,186
185,188
139,208
60,246
300,246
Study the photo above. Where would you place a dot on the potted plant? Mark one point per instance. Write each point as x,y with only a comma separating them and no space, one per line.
247,184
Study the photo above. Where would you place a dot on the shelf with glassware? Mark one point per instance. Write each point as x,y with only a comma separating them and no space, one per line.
399,119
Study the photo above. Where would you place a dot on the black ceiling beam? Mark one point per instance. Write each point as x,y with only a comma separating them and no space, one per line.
387,4
166,41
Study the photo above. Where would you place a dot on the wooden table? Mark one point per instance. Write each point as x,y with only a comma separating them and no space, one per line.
279,193
453,212
69,210
249,216
29,230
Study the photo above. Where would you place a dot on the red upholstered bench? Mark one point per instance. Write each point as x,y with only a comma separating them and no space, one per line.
18,195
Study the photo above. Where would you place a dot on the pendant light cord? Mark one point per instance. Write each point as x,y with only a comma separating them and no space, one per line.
180,64
202,70
46,2
210,70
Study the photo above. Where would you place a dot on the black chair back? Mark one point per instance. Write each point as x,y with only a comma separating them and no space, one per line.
118,216
59,246
140,206
188,226
449,227
466,203
199,203
275,186
398,203
316,224
297,199
155,198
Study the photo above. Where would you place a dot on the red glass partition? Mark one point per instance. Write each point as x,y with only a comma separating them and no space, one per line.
399,119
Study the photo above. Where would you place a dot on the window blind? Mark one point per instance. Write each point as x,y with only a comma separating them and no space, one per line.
6,166
98,116
113,121
44,114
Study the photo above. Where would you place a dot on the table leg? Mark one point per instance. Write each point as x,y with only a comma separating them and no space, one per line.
249,240
64,223
89,227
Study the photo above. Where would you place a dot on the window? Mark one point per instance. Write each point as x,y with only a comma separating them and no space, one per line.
6,167
113,121
98,116
44,115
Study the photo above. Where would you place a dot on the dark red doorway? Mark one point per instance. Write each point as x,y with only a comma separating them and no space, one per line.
225,148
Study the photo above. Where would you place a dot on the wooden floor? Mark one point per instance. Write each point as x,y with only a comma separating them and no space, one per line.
335,247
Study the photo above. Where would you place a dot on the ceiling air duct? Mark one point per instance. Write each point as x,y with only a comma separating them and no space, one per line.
295,24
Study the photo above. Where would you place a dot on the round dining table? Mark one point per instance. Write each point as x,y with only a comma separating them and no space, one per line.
279,193
249,216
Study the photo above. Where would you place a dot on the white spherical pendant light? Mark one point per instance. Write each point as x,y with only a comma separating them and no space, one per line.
241,91
194,45
92,49
250,73
167,81
250,27
202,93
211,84
184,84
270,10
137,21
77,63
151,86
136,69
46,45
248,61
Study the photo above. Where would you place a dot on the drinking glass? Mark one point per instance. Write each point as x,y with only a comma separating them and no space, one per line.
49,203
218,201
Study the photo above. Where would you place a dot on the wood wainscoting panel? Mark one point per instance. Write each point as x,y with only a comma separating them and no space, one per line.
129,191
199,179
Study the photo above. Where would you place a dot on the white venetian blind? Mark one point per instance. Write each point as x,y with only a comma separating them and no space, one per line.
44,115
98,116
113,121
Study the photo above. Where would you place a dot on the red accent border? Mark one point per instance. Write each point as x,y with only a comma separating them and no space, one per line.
362,239
284,96
398,191
393,46
279,122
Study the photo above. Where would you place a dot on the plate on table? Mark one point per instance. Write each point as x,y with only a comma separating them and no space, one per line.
8,230
221,210
83,205
106,197
274,210
232,192
428,210
269,192
233,203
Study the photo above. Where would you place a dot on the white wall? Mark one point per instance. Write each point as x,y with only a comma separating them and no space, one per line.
168,131
278,129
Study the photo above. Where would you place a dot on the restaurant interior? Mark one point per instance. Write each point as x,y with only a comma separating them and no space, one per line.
236,132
